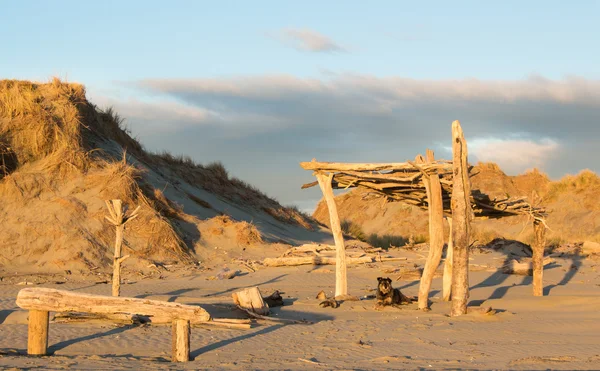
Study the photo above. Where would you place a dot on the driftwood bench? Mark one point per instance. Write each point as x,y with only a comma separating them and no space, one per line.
41,301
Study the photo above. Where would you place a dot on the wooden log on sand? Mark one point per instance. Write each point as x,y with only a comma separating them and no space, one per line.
436,231
317,260
461,217
251,299
44,299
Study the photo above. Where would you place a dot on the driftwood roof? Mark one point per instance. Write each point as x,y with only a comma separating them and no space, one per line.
404,182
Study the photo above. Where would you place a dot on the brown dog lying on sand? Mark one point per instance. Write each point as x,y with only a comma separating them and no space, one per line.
387,295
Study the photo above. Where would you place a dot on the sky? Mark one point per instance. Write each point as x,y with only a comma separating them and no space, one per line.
264,85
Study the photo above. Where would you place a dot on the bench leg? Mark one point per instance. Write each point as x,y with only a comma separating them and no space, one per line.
180,344
37,340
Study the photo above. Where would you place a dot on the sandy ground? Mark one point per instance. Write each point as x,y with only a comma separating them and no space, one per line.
558,331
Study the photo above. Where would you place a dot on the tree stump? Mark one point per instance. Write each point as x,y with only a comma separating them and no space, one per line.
252,300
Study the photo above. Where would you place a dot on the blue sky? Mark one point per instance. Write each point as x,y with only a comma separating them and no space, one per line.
256,81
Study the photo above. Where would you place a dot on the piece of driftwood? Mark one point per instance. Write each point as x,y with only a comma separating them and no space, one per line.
180,344
270,319
37,337
447,280
461,219
274,300
45,299
313,260
329,303
321,295
436,230
40,301
118,218
539,231
524,267
251,299
341,275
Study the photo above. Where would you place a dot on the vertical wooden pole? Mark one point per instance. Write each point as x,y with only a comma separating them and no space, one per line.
447,287
538,256
37,337
341,283
461,216
180,341
436,232
116,280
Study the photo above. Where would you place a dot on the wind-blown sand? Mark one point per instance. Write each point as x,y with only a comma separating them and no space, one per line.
558,331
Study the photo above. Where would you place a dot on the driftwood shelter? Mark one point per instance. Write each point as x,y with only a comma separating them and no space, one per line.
444,189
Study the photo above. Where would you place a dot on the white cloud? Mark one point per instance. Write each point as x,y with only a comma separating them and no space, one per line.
308,40
514,155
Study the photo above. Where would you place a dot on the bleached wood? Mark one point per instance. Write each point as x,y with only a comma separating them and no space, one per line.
436,231
447,280
337,166
341,280
180,343
251,299
46,299
37,337
539,231
461,217
316,260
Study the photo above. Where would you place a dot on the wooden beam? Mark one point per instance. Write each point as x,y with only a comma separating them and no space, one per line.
436,231
539,231
339,166
461,217
180,343
37,337
341,280
51,300
447,285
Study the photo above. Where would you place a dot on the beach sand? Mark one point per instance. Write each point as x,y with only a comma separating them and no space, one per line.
558,331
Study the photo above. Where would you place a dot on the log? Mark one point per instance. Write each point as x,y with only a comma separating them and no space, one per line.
447,284
37,337
525,267
436,231
341,279
461,216
539,231
251,299
337,166
44,299
314,260
180,344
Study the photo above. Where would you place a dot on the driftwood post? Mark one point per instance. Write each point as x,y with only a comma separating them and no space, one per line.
436,231
539,231
118,219
447,286
37,336
341,283
180,341
461,215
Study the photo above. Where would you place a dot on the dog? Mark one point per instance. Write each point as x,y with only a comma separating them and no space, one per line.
387,295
